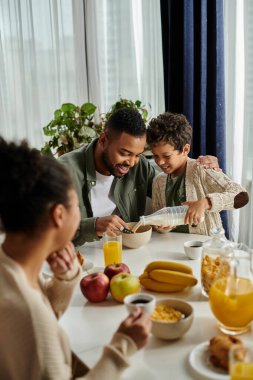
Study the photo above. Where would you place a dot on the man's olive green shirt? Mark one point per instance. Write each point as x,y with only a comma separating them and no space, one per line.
130,191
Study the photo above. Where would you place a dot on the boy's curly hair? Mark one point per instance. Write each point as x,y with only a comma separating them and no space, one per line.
169,128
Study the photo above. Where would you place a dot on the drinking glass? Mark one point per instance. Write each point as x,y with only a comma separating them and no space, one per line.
112,247
241,363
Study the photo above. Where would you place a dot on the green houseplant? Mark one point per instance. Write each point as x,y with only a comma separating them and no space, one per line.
129,104
71,127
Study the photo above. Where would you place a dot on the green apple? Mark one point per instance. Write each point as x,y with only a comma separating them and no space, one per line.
123,284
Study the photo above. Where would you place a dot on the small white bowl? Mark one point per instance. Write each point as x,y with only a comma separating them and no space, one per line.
137,239
145,301
193,249
173,330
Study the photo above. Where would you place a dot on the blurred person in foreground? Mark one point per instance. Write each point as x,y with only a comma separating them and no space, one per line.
184,181
111,176
39,215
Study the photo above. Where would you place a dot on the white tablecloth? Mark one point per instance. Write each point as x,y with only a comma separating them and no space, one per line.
90,326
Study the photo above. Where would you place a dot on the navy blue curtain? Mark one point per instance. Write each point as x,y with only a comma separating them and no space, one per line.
193,58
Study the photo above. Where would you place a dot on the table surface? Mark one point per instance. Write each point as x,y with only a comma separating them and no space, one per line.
91,326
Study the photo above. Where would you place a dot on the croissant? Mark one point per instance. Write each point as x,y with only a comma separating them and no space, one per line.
219,350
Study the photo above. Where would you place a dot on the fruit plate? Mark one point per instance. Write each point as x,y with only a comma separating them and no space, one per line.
200,363
86,268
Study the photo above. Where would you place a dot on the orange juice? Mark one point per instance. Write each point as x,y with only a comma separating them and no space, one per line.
112,252
241,371
231,301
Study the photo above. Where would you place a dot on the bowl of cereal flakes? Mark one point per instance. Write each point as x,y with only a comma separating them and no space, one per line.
171,319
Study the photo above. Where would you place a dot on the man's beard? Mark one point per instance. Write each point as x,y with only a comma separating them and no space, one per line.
109,166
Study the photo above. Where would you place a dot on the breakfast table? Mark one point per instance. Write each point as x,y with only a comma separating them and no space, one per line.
90,326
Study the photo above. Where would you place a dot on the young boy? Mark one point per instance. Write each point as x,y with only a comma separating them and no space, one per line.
184,182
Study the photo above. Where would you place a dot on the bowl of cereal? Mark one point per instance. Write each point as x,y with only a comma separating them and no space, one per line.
138,238
171,318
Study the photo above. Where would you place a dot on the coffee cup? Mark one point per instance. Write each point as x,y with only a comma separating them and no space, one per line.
193,249
144,301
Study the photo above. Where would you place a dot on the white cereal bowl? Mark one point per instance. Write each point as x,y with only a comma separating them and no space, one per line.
137,239
173,330
144,301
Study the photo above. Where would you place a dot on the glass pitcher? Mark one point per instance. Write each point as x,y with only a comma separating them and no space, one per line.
213,250
231,294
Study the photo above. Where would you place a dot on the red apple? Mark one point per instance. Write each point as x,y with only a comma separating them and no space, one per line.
95,286
113,269
123,284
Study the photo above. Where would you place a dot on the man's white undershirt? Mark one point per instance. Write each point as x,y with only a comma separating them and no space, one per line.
101,204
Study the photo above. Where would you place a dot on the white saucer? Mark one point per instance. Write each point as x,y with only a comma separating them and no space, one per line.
46,270
200,362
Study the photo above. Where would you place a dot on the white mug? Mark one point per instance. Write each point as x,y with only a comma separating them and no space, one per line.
145,301
193,249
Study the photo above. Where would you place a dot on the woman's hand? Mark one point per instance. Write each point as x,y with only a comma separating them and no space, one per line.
137,326
196,211
62,261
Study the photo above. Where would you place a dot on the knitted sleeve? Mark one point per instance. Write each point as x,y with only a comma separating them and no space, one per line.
59,289
219,188
158,192
113,360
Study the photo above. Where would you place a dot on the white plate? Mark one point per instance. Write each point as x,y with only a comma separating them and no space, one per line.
200,362
46,270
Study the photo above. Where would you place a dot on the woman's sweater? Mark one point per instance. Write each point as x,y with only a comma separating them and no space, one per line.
33,345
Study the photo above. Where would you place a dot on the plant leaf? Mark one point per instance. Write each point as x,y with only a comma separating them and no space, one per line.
57,114
66,107
46,150
88,108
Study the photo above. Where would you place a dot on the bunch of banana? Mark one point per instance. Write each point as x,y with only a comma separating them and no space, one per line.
167,277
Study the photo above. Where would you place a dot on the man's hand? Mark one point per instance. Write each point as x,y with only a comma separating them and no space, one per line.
209,162
111,224
137,326
62,261
196,210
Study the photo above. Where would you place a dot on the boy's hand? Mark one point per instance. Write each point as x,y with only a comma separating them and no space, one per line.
196,211
163,228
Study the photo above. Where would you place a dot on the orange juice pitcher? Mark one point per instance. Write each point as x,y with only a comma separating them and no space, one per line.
231,294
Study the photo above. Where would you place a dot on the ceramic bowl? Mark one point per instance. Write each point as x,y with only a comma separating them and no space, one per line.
173,330
145,301
137,239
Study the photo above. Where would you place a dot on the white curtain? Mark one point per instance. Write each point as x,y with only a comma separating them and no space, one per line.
129,52
239,109
57,51
42,60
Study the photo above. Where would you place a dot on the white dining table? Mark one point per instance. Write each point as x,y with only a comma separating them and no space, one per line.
90,326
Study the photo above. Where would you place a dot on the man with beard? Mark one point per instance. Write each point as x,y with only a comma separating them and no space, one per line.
111,177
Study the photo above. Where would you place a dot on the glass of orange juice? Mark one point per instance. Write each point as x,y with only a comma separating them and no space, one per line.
112,247
241,363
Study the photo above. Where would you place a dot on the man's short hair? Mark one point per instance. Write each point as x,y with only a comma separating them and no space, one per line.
169,128
126,120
